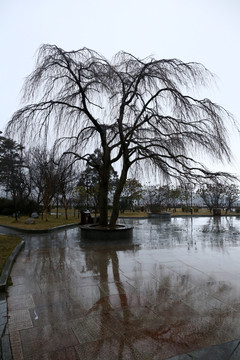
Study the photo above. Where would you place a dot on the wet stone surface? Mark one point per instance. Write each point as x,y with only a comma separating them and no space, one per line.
174,288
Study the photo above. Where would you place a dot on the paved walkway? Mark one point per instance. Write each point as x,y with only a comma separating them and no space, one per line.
128,300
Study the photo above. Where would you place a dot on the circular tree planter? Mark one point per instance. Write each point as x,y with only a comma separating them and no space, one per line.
96,232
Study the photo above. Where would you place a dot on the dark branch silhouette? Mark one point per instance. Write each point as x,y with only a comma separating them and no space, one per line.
132,109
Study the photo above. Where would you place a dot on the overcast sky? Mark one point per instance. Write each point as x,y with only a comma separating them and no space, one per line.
206,31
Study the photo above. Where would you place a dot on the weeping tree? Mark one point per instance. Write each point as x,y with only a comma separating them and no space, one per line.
139,112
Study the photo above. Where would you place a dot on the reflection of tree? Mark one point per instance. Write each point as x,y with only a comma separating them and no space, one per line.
99,262
130,327
220,225
51,264
221,232
214,225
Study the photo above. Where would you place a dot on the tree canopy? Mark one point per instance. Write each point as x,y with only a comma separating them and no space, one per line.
133,110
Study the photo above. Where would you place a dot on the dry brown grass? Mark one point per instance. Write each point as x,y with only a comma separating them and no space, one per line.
40,224
128,213
7,245
200,212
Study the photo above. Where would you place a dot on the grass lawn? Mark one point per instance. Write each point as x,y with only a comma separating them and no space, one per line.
40,224
7,245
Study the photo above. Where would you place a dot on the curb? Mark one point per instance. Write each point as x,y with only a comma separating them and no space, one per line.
8,266
32,231
5,347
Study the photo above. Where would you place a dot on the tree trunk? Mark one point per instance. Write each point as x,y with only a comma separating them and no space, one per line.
65,205
103,201
46,210
104,174
116,198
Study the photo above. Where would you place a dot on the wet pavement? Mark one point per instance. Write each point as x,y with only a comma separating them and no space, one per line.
173,289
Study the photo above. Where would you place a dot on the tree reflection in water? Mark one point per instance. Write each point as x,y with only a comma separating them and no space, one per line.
100,261
144,318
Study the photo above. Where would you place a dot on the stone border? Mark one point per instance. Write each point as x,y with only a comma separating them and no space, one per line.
8,266
5,347
90,232
35,231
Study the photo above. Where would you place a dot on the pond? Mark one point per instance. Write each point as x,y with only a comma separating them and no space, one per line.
173,288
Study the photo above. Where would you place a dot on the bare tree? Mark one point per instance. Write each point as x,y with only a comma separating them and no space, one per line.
133,110
14,175
213,194
232,194
44,176
132,192
66,180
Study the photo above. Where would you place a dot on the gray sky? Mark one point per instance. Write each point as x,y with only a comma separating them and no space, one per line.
206,31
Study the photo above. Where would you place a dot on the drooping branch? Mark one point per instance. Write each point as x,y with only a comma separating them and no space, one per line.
134,110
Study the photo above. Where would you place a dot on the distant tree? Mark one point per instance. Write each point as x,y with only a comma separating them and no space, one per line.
134,110
150,193
44,176
213,194
66,181
132,192
13,171
186,192
157,197
231,195
79,197
174,196
217,194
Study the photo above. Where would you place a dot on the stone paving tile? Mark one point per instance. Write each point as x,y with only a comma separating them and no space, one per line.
228,323
123,321
110,349
18,280
68,353
229,293
27,288
16,345
20,302
113,324
126,300
156,343
84,299
116,287
223,276
49,338
87,330
203,303
50,297
165,302
19,320
199,333
51,314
